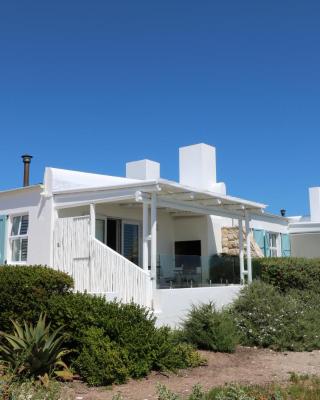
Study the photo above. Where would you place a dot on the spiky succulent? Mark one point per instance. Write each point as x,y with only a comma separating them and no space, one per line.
33,350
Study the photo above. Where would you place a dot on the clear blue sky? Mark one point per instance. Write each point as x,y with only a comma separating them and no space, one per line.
88,85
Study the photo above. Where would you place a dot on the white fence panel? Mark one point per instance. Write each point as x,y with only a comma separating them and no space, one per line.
95,267
111,272
71,249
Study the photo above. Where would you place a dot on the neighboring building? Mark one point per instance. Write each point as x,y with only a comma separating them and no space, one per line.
141,236
305,231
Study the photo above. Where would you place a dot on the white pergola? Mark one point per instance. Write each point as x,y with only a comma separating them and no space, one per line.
173,197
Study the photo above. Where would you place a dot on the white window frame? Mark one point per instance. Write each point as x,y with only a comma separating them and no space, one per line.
16,237
274,250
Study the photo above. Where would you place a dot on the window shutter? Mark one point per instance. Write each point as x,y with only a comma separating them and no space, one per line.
285,245
258,236
3,223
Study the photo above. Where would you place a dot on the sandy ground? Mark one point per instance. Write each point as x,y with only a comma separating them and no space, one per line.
246,365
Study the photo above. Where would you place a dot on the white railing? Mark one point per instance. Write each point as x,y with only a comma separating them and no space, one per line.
111,272
95,267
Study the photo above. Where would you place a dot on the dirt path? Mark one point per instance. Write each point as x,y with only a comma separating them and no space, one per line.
246,365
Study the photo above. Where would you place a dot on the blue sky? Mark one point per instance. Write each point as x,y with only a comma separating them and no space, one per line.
89,85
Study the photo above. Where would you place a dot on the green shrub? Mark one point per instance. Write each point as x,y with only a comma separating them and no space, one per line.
209,329
126,326
290,273
129,325
101,362
26,290
266,317
171,354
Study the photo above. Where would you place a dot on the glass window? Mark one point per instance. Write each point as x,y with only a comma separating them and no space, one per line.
131,242
19,238
273,245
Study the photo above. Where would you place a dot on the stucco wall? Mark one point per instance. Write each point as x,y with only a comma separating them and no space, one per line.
305,245
39,210
173,304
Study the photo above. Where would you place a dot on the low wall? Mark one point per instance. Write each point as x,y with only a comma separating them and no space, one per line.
173,304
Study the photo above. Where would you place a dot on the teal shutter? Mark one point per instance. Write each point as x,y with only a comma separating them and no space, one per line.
267,244
285,245
258,236
3,223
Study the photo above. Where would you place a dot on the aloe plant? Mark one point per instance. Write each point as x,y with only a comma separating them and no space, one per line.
33,350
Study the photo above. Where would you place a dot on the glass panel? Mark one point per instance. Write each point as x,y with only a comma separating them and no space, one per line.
24,225
131,242
197,271
15,226
100,230
15,248
24,249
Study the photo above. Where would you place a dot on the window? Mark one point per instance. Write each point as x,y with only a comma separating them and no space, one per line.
19,238
273,245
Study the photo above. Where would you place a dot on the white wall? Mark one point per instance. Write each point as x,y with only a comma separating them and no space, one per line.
262,222
28,201
305,245
173,304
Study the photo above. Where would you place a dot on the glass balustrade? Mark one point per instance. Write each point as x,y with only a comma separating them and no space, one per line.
196,271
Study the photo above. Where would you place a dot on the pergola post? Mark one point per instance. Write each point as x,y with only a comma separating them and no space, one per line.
154,240
145,235
241,253
93,220
248,239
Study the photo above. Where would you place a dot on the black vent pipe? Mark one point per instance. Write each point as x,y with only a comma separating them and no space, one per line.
26,171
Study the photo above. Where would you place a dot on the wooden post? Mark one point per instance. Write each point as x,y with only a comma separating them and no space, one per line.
248,238
93,220
145,234
241,253
154,240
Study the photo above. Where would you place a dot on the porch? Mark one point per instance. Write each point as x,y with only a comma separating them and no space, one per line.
163,232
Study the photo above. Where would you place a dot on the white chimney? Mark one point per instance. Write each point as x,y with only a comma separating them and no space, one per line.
197,168
143,169
314,199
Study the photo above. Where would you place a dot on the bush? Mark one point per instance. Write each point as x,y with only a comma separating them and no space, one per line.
209,329
266,317
126,326
172,354
101,362
26,290
125,334
129,325
290,273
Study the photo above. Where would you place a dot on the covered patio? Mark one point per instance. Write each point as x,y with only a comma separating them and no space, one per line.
153,198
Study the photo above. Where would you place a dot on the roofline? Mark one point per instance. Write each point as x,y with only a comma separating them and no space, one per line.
22,189
213,194
103,188
160,182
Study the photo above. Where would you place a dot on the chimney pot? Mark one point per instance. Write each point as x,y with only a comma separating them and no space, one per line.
26,158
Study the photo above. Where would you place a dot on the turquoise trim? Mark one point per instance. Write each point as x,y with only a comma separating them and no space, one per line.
285,245
3,230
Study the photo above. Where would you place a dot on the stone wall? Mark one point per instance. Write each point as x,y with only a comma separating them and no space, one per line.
230,243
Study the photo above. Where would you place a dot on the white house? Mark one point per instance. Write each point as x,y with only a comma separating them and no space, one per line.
305,231
142,237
